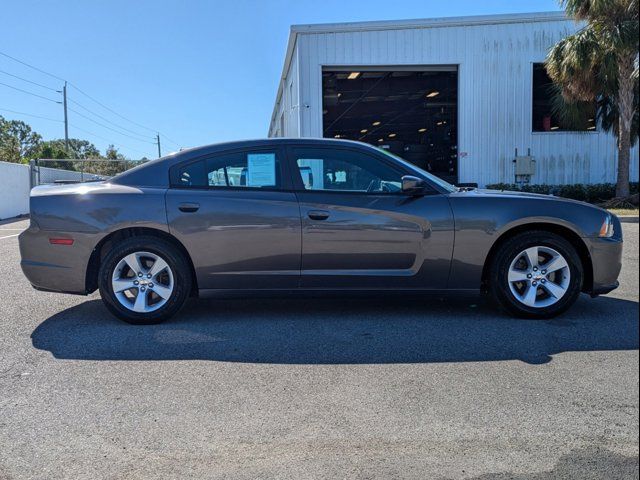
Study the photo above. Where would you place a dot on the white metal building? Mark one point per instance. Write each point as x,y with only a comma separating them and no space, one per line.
457,96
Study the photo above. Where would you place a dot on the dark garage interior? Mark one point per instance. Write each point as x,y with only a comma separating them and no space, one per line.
411,113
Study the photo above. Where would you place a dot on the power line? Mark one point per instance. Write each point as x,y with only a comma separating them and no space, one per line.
30,93
32,115
31,66
78,89
107,140
121,116
107,120
110,109
74,126
170,141
29,81
108,127
86,95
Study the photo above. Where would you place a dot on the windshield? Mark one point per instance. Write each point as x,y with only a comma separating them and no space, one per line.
438,181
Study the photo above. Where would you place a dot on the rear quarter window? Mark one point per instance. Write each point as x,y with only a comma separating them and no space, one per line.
190,175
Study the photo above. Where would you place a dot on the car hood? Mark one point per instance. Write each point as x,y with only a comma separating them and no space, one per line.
515,208
508,194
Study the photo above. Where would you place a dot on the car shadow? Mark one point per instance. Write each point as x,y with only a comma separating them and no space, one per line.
589,463
340,331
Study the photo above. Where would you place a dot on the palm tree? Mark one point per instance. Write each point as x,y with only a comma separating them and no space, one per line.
600,62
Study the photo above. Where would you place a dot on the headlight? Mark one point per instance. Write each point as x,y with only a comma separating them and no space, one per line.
606,230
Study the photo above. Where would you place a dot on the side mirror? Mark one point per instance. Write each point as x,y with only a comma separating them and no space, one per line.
413,185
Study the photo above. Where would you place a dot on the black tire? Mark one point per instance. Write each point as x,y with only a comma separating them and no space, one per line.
176,262
499,271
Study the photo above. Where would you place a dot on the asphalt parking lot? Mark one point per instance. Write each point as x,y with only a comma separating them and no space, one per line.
316,388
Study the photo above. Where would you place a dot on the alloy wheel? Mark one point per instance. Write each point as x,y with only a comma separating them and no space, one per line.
539,277
142,282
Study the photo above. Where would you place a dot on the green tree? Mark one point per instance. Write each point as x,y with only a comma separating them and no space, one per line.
600,62
50,149
83,149
114,163
17,140
78,149
113,154
55,149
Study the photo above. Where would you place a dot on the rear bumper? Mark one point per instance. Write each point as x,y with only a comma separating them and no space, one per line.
55,268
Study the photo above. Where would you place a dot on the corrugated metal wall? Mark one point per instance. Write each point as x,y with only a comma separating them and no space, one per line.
495,94
286,122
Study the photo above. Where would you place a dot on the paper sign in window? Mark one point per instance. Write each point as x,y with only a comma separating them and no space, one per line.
261,169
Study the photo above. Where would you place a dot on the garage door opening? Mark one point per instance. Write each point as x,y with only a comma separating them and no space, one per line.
412,113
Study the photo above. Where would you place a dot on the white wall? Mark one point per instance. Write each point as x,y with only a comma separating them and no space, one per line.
15,185
495,57
14,189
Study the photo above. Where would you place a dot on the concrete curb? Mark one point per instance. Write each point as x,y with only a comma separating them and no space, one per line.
629,219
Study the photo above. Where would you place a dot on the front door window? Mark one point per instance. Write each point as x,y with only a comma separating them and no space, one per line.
345,171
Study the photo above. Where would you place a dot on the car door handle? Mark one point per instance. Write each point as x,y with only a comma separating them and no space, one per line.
189,207
318,214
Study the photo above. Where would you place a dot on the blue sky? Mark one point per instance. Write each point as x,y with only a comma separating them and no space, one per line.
197,71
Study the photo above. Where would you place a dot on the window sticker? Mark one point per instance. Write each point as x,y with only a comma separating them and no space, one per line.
261,169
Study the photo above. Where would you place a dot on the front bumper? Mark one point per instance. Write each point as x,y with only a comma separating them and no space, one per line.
604,289
606,262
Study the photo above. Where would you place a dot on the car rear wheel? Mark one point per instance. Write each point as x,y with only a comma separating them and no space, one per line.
536,275
144,280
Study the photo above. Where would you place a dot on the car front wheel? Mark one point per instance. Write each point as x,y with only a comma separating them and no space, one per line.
536,275
144,280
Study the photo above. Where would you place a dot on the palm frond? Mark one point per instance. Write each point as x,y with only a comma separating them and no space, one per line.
573,64
594,10
572,115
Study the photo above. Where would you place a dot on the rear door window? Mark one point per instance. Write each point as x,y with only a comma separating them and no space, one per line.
243,169
260,169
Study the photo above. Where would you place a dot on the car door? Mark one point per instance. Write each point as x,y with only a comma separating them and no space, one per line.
236,215
359,230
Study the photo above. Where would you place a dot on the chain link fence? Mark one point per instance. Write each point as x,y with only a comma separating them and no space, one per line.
51,171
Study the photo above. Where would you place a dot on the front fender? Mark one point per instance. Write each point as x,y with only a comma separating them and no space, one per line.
481,219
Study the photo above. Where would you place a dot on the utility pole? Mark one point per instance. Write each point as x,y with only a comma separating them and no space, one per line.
66,119
158,142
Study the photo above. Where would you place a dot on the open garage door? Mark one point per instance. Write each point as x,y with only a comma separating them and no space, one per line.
411,111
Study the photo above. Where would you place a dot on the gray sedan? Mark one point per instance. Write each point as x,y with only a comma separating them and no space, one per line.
300,215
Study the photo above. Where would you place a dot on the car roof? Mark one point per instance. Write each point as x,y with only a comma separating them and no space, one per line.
214,147
154,172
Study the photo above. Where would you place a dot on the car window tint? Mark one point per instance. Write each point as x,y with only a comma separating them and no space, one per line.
190,175
257,169
251,169
346,170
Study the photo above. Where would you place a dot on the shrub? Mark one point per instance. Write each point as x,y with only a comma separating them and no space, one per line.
592,193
